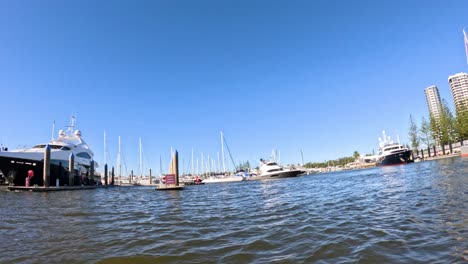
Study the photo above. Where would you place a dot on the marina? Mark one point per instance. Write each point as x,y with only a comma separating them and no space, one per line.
143,172
413,213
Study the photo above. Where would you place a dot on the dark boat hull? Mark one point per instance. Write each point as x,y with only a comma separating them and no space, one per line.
22,166
280,174
396,158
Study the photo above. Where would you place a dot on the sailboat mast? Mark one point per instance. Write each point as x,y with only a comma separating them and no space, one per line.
192,161
222,152
119,163
208,165
202,164
302,157
105,148
160,166
141,163
217,167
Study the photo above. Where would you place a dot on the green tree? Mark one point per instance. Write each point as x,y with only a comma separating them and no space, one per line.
448,132
413,134
461,122
356,154
434,125
425,132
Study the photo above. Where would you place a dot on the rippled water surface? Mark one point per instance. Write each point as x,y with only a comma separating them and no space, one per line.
416,213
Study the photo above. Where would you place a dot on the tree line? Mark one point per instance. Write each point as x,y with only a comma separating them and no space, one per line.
441,130
337,162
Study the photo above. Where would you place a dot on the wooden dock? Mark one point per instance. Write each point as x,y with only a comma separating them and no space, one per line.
51,189
163,187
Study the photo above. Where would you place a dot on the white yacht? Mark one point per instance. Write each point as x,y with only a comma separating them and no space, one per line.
391,153
271,170
15,164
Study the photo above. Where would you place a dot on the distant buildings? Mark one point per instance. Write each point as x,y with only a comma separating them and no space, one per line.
459,86
433,101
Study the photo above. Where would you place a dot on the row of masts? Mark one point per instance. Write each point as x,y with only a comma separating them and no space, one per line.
208,166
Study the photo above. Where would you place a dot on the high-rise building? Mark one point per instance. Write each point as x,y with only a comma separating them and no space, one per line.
433,101
459,86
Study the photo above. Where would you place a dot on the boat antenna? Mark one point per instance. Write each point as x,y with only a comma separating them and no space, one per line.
72,124
53,129
229,151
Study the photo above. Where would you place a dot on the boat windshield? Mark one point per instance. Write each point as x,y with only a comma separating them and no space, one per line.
52,147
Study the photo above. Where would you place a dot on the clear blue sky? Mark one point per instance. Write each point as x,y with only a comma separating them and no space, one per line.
322,76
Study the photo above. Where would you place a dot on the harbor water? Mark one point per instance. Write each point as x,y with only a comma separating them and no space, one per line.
415,213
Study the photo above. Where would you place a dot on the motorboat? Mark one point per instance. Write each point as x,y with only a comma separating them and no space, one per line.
17,165
392,153
272,170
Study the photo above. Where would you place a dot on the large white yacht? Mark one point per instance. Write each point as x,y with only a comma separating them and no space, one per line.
391,153
271,170
15,164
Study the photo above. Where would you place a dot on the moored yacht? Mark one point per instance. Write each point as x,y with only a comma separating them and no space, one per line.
391,153
271,170
16,164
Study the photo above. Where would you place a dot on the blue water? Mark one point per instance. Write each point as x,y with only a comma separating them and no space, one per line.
415,213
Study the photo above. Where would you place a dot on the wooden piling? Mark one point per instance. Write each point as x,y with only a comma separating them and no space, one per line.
105,174
112,180
71,169
450,147
46,173
151,177
422,154
91,171
176,164
428,151
435,151
170,183
443,149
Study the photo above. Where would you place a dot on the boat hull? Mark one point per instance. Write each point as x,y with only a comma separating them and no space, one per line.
396,158
22,166
278,175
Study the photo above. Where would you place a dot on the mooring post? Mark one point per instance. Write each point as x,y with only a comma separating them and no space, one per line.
412,154
105,174
46,173
112,180
443,149
435,151
176,163
151,178
91,170
450,147
131,176
71,169
422,154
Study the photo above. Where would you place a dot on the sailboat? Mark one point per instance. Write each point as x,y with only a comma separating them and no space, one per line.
240,176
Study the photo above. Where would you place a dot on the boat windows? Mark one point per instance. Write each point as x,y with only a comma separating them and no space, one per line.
39,146
272,170
66,148
55,147
83,155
